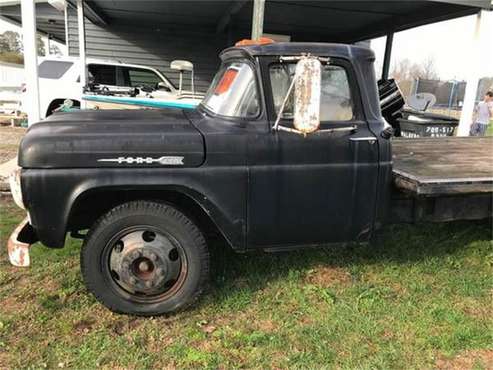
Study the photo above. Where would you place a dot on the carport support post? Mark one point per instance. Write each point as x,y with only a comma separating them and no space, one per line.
387,56
258,19
82,47
28,13
472,81
65,16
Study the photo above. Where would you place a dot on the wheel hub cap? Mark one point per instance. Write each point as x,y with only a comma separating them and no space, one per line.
145,263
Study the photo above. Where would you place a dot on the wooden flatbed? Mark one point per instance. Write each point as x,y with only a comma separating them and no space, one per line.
443,166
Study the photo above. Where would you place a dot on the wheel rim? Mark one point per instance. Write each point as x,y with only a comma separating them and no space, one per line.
145,264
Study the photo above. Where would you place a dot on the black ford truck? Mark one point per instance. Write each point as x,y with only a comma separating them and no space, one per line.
287,150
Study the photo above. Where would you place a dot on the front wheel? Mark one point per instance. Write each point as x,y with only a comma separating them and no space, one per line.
145,258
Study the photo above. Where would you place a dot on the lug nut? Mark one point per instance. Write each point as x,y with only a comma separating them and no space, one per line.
159,272
144,266
149,284
135,254
153,256
119,247
132,280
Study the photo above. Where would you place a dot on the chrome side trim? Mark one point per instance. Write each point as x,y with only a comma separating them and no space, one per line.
369,138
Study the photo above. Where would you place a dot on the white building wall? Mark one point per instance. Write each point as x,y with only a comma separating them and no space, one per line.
11,76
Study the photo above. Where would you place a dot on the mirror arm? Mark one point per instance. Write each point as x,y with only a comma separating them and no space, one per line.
289,129
340,129
328,130
283,105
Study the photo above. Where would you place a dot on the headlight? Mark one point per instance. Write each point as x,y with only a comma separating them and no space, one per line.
15,187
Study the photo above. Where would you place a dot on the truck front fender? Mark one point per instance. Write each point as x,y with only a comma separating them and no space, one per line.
50,195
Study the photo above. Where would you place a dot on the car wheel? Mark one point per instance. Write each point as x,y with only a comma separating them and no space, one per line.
145,258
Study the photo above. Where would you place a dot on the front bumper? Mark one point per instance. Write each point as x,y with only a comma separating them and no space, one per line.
19,243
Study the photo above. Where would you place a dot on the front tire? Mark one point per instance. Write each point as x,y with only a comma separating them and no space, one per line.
145,258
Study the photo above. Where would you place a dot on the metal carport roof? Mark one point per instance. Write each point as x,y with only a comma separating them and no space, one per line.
330,20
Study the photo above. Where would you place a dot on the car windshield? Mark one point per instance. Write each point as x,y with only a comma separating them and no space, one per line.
233,92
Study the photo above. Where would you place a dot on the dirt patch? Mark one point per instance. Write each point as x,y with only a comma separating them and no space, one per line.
267,326
4,361
124,326
84,326
471,308
479,312
10,137
467,360
325,276
11,305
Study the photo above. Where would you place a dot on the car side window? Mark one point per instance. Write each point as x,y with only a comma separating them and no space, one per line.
53,69
135,77
102,74
336,101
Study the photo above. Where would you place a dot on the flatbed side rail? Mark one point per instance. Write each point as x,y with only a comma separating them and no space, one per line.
409,208
438,187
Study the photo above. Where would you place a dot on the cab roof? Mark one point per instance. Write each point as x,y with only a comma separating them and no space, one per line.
297,48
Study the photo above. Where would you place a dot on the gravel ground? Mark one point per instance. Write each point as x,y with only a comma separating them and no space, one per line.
10,138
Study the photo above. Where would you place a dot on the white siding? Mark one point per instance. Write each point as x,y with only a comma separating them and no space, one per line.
11,75
153,45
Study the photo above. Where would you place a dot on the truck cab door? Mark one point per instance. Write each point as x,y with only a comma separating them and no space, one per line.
318,188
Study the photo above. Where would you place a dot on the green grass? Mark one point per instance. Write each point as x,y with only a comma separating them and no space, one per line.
489,131
420,297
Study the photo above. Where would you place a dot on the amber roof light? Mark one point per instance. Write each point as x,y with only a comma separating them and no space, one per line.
260,41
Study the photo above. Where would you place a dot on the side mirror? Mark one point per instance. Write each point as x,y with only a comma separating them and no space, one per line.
307,93
307,83
183,66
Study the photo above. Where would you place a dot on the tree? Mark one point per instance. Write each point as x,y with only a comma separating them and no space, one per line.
405,70
428,70
40,45
10,41
55,50
11,57
11,49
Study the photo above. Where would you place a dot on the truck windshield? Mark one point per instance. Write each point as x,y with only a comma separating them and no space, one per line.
233,91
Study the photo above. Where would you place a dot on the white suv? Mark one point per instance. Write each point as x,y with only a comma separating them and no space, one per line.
59,79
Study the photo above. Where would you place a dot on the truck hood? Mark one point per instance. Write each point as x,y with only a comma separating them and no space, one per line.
113,138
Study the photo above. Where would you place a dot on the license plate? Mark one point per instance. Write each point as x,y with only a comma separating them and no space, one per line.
437,131
430,131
